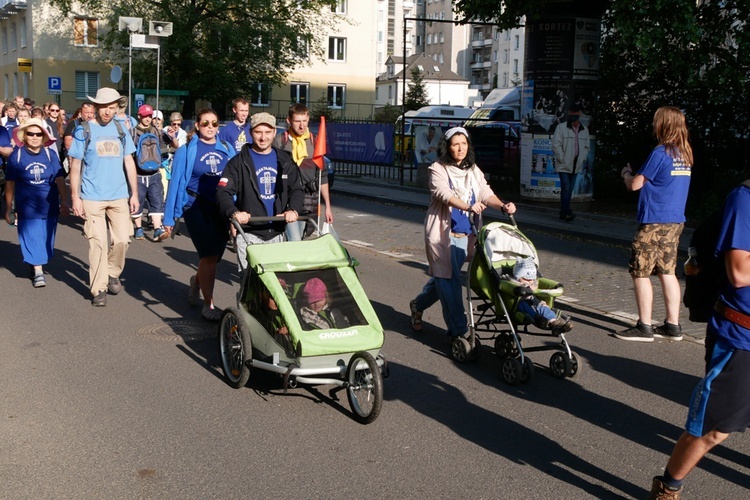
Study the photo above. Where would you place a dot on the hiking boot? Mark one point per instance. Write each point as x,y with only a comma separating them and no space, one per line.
416,316
560,325
138,234
659,491
668,331
211,313
194,295
38,281
100,299
114,286
638,333
160,234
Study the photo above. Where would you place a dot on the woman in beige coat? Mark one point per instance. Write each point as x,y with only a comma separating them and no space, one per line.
457,188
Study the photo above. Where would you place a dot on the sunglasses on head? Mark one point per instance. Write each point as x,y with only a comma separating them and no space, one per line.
206,123
35,134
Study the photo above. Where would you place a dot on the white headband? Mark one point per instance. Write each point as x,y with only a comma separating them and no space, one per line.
455,130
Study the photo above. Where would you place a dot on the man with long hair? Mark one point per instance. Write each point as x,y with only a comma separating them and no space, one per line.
663,181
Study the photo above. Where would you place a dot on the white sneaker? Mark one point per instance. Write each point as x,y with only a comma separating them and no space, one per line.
211,313
194,296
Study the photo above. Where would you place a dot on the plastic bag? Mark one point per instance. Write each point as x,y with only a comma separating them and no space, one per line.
328,229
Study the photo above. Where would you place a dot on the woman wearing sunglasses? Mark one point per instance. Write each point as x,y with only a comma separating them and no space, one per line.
36,179
196,170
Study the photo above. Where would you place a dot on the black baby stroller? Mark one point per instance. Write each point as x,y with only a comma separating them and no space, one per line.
496,312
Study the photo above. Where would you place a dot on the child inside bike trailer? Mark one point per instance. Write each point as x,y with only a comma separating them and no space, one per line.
317,313
544,317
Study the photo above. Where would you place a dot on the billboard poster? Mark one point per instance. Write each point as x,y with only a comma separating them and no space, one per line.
562,69
360,142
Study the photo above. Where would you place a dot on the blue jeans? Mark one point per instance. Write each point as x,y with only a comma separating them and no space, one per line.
448,291
567,181
534,312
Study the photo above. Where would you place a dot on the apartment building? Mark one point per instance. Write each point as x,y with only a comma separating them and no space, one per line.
496,58
38,43
447,43
399,29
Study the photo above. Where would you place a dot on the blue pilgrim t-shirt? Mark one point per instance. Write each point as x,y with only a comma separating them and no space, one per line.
36,193
207,169
266,170
735,234
662,198
235,135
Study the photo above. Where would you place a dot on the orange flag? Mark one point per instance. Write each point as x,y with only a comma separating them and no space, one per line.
320,144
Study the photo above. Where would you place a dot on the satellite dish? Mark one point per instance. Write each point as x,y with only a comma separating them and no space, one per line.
116,74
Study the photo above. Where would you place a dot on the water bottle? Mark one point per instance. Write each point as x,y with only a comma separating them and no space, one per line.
691,267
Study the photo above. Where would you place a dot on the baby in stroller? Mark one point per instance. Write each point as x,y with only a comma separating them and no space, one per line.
317,312
544,317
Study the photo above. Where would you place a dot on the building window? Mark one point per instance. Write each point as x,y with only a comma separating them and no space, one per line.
87,83
390,92
336,49
15,84
429,38
506,56
299,92
260,94
340,7
23,35
505,79
441,37
380,58
377,93
13,36
25,84
5,44
389,48
419,40
85,32
440,58
380,36
517,43
336,96
515,65
6,87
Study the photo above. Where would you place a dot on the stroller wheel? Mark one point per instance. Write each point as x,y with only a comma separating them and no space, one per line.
505,345
575,365
560,365
461,350
364,387
235,347
527,370
511,371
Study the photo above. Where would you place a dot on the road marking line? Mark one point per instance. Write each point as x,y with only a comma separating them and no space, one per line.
358,243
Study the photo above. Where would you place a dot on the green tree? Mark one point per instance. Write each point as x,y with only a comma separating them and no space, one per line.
322,108
219,48
694,55
416,96
387,114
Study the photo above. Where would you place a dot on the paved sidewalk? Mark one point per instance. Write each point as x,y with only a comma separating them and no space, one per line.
615,300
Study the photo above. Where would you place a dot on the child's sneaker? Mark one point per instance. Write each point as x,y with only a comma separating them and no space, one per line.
668,331
139,235
638,333
160,234
560,325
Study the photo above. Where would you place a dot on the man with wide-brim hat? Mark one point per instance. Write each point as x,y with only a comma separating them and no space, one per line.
101,192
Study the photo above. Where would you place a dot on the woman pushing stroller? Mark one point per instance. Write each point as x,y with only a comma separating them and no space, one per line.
457,189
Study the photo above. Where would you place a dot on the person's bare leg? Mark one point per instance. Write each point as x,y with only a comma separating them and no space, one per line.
206,278
689,450
644,297
672,296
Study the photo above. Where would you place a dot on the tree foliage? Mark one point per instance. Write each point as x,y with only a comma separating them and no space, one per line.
416,96
693,55
219,49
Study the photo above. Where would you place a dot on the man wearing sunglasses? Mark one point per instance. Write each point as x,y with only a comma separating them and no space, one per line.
265,182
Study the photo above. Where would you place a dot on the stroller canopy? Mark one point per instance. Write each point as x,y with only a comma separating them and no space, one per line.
504,243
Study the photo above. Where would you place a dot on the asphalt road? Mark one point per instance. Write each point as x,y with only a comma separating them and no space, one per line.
128,401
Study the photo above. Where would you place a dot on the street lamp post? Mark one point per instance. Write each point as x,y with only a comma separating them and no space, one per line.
160,29
132,25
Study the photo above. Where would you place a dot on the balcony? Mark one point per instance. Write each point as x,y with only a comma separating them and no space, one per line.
11,6
409,25
408,4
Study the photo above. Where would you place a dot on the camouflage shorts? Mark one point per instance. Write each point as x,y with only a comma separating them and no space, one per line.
654,249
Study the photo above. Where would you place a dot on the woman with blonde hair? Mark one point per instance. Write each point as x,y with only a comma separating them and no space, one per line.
663,181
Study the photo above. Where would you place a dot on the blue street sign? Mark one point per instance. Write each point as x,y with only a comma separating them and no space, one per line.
54,85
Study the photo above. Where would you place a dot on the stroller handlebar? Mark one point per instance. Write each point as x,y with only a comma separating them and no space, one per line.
266,219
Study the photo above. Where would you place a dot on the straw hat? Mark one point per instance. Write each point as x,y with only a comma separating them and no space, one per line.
105,95
19,133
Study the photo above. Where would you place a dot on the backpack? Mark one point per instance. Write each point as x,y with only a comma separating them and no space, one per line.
703,289
148,152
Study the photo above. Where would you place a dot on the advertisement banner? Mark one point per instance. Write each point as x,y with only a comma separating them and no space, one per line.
360,142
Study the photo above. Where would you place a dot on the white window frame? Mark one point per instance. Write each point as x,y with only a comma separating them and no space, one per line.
337,89
13,42
23,34
84,23
337,49
339,8
296,96
86,83
5,41
261,89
